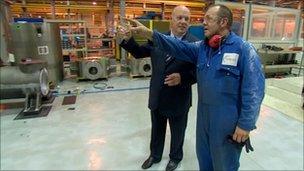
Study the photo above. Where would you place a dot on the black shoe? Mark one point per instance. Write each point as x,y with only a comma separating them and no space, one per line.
172,165
149,162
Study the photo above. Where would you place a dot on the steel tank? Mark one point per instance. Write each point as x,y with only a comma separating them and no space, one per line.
39,41
13,79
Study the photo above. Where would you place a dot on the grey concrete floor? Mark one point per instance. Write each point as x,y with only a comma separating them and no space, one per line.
110,130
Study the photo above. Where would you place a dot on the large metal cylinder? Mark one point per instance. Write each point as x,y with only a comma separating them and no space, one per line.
13,79
39,41
140,67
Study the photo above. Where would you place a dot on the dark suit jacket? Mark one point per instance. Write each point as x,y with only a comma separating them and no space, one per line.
170,101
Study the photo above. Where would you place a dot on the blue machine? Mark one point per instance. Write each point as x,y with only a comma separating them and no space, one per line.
197,31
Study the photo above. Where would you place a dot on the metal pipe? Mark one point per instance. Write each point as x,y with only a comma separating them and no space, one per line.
104,7
53,9
5,40
24,9
122,10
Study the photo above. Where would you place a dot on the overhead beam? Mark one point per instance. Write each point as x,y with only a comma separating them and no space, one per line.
33,8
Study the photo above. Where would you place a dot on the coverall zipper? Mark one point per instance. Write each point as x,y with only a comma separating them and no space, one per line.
209,58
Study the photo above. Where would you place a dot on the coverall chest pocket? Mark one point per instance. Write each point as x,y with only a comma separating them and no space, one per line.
230,80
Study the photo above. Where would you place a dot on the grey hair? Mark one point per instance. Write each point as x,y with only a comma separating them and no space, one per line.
224,12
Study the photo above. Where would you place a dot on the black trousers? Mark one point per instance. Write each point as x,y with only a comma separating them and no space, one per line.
178,126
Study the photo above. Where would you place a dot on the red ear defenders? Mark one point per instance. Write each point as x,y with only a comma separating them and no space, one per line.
215,41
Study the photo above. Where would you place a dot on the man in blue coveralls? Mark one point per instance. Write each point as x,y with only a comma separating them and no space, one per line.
230,86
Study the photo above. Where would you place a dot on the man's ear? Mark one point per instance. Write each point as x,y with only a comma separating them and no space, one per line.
224,22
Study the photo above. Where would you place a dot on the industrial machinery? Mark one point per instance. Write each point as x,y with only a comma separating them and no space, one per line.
29,77
140,67
40,40
143,66
93,68
277,62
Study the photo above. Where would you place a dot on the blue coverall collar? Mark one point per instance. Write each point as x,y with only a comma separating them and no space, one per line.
230,38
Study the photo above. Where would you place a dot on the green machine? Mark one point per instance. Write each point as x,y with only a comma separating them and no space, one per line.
162,26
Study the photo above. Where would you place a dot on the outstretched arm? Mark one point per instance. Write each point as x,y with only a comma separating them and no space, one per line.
130,45
182,50
138,51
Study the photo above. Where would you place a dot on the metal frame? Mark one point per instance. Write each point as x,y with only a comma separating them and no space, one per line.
249,17
300,43
73,21
274,11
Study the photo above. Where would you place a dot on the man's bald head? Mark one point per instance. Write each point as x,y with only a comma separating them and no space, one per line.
180,20
179,8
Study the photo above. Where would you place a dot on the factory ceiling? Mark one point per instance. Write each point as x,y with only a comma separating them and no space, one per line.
297,4
131,6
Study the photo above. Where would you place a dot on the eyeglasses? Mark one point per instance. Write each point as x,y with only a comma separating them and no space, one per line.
208,18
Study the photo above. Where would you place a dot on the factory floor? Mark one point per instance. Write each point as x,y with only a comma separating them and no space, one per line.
110,130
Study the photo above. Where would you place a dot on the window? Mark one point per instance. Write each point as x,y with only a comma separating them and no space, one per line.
284,27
